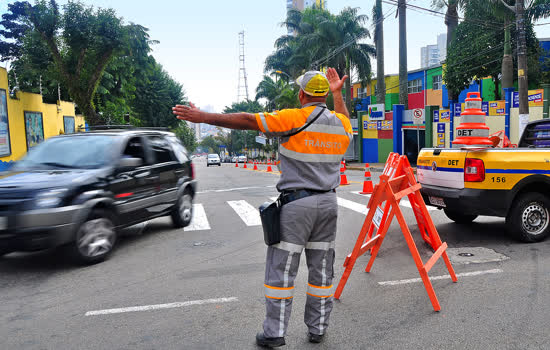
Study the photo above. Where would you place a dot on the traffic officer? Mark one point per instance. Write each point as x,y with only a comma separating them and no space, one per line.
310,165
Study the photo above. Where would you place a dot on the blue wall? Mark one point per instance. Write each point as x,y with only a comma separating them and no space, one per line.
370,151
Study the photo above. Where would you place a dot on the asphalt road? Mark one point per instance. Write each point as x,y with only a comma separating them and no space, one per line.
47,303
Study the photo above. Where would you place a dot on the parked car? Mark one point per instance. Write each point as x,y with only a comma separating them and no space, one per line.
242,159
213,159
235,159
78,190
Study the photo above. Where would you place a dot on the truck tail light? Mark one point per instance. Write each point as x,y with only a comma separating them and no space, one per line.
474,170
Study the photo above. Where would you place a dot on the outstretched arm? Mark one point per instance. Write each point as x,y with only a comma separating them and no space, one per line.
241,121
336,85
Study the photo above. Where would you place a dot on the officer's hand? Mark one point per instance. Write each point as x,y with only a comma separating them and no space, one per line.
334,80
190,113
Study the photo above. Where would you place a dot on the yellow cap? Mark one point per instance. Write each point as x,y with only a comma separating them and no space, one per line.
314,83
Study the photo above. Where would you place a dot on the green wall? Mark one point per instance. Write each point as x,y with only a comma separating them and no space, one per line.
430,74
385,147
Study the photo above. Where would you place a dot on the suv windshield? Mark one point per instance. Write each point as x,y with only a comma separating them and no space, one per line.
212,156
84,152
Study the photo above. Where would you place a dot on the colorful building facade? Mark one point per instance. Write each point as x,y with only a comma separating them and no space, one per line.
25,121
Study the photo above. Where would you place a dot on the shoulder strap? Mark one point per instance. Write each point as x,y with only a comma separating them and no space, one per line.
308,123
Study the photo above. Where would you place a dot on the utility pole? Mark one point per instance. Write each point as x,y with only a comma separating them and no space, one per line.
242,90
403,79
379,42
519,11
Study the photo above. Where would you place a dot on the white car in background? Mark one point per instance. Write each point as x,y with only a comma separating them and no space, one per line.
213,159
242,159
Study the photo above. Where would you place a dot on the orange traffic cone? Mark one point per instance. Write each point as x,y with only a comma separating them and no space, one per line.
237,163
367,184
255,166
245,166
343,177
269,167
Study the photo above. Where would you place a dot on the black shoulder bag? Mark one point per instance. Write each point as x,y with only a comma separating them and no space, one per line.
270,212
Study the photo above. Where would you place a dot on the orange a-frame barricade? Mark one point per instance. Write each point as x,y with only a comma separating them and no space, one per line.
396,182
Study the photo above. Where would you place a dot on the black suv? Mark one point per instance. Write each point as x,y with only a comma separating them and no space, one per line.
78,190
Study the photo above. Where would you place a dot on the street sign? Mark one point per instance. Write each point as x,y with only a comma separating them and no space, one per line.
261,140
418,116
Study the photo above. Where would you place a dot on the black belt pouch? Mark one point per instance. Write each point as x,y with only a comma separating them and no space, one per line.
270,213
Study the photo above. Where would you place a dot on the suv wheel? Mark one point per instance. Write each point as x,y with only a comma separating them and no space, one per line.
458,217
95,238
183,210
529,217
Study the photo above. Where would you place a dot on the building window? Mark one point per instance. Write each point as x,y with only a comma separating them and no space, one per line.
414,86
362,92
437,82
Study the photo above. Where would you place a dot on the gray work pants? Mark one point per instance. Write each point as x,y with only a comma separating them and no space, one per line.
308,223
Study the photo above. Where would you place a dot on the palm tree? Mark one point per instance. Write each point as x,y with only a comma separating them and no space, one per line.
378,18
320,39
278,93
340,37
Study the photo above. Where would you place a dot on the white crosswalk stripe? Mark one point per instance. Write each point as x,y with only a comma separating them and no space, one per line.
249,214
199,221
404,202
360,208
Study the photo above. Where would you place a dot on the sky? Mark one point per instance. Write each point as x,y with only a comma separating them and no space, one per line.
199,42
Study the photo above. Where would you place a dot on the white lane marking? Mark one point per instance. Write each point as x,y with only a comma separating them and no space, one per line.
360,208
199,221
404,202
249,214
434,278
234,189
160,306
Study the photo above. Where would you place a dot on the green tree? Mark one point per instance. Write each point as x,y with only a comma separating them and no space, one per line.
473,52
81,41
210,143
279,94
186,135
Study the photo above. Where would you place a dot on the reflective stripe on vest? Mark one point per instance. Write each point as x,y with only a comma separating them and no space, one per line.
278,292
320,245
319,292
264,122
311,157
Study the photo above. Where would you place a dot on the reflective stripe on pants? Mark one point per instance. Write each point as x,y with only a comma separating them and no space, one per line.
308,223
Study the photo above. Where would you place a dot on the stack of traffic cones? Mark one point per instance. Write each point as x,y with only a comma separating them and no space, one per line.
343,177
367,184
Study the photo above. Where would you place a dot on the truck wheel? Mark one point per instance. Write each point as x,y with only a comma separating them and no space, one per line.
529,216
183,210
458,217
95,238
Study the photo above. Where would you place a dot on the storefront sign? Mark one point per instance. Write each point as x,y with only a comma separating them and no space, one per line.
458,109
535,98
496,108
385,125
5,148
436,116
445,115
376,112
34,128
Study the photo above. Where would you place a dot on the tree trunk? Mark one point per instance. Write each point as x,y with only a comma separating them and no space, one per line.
522,58
403,74
348,86
379,42
507,61
451,21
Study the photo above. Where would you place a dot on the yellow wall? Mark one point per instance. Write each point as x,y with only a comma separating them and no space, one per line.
52,117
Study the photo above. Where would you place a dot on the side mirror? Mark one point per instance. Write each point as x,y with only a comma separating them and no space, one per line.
129,163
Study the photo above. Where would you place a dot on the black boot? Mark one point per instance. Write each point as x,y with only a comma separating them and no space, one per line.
315,338
262,340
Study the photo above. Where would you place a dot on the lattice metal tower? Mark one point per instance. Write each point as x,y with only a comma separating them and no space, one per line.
242,91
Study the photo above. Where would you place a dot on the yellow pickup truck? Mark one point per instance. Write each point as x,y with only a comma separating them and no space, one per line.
508,182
